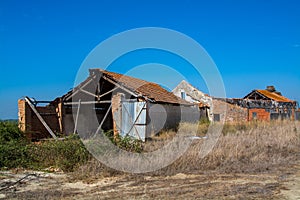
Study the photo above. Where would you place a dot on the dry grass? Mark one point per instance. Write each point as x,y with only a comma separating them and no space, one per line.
249,161
248,147
253,147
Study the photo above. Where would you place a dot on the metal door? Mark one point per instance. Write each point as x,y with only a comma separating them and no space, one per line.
133,121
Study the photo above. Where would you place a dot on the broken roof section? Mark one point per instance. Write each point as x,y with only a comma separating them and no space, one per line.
268,95
136,87
274,96
203,100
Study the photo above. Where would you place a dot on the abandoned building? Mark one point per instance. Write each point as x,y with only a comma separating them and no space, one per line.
267,105
224,110
186,91
130,106
216,109
107,101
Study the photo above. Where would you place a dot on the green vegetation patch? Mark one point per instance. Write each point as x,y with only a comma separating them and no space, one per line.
16,151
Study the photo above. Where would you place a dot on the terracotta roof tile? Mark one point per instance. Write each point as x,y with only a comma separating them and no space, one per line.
144,88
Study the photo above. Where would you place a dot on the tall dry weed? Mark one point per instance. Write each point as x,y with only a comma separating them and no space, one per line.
242,147
258,146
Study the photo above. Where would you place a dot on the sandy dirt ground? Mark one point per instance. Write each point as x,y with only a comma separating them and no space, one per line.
282,184
291,189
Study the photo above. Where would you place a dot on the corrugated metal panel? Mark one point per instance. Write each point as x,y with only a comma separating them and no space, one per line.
134,119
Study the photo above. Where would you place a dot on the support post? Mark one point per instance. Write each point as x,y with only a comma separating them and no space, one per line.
40,117
77,114
100,125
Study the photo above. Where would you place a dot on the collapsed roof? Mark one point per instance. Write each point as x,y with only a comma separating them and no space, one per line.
137,87
268,95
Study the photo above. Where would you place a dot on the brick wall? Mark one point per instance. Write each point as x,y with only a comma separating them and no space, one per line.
116,108
233,112
31,125
22,114
259,114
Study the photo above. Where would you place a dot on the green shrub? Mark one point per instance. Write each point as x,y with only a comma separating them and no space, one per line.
14,154
65,154
127,143
9,131
16,151
13,146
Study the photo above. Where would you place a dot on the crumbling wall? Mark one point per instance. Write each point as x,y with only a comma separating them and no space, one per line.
229,112
116,108
31,125
191,94
259,114
23,114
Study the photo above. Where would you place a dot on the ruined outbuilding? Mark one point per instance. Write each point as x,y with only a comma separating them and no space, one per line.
269,104
266,105
186,91
107,101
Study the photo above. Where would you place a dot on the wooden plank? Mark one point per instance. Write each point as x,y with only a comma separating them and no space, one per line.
100,125
87,92
87,102
76,119
75,92
107,92
40,117
120,86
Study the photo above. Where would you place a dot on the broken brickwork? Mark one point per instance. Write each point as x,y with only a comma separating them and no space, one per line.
224,111
30,124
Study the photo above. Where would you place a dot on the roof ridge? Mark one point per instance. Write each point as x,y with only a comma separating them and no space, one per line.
122,75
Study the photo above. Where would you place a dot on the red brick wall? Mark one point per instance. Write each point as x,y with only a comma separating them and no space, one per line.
30,123
22,114
261,114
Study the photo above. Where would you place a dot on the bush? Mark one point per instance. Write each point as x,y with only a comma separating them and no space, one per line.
127,143
13,148
16,151
9,131
14,154
65,154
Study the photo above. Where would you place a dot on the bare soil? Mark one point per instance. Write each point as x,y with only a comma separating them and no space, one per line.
279,184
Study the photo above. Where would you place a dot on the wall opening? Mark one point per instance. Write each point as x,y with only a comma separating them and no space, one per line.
183,95
217,117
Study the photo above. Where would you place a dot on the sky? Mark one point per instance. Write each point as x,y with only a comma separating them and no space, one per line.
43,44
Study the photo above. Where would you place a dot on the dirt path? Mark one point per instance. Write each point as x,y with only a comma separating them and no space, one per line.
291,189
180,186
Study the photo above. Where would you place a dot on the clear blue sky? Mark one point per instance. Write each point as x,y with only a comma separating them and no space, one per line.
43,43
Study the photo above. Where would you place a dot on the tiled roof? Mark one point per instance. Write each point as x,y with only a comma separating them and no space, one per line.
143,88
203,105
274,96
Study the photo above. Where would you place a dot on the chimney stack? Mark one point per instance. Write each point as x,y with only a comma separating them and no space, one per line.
271,88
